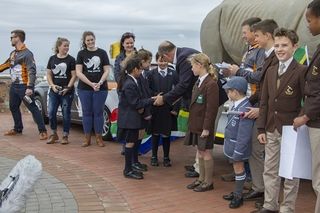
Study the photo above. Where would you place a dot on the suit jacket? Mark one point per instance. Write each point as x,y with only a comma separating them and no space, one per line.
312,91
238,132
143,82
204,107
186,78
130,101
260,74
280,106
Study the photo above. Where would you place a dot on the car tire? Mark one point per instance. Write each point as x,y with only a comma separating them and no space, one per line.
106,132
40,105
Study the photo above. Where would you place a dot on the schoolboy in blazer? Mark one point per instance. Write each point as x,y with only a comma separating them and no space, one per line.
280,103
311,115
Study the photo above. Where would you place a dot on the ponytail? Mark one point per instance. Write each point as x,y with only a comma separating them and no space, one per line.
128,65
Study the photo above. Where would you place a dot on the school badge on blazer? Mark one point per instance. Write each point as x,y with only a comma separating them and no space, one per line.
200,99
315,70
289,90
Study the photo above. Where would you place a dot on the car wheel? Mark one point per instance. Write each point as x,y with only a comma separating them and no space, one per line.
106,132
39,104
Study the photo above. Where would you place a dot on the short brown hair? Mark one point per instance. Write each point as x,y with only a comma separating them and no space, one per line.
250,21
165,47
290,34
20,33
265,26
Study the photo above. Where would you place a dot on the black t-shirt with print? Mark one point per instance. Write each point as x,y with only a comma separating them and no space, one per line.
61,69
92,66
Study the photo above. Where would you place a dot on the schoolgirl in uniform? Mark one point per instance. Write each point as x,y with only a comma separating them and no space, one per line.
203,111
131,107
164,118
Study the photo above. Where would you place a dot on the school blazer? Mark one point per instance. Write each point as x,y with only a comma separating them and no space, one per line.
238,133
186,78
261,71
280,106
130,101
312,91
204,107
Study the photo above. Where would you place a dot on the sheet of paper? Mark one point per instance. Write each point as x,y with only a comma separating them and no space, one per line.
288,149
303,159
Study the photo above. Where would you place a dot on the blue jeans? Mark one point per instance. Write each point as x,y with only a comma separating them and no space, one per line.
92,104
17,92
56,100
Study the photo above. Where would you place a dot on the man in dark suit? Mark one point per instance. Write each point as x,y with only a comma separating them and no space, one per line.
280,103
311,109
179,57
183,89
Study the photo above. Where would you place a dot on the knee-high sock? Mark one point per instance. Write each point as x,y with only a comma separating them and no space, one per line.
155,144
201,169
136,151
166,146
240,179
208,165
128,158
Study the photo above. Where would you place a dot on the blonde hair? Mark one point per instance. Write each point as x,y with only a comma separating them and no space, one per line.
204,60
58,43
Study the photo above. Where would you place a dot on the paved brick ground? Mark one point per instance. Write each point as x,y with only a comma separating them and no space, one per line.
94,177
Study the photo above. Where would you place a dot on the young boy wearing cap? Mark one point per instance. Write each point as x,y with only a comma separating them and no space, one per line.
238,131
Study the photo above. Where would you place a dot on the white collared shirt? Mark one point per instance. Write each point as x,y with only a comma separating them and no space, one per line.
165,71
286,63
268,52
135,80
236,103
201,79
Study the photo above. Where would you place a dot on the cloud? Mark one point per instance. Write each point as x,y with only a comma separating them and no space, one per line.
151,21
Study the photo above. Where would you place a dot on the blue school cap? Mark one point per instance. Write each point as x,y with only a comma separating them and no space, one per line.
238,83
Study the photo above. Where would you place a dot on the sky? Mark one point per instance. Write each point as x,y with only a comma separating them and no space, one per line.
151,21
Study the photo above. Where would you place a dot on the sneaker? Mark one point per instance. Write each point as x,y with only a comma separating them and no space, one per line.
166,162
64,140
12,132
154,161
43,136
203,187
52,138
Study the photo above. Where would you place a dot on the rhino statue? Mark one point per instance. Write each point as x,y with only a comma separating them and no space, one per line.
220,33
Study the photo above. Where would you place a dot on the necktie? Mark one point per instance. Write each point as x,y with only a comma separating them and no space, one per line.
163,73
281,69
198,82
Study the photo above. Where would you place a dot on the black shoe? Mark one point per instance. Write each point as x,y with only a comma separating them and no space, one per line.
144,166
166,162
139,167
203,187
229,196
191,174
253,195
259,204
189,168
236,202
154,161
132,174
194,184
263,210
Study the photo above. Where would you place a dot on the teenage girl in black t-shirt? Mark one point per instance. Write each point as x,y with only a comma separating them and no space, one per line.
61,76
92,68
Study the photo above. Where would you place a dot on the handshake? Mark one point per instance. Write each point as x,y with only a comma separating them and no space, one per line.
158,99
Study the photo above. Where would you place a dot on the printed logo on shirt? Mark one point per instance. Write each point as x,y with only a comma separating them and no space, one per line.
60,70
93,64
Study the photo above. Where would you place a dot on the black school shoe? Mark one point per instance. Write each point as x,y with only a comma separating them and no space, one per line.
236,202
229,196
133,175
192,174
189,168
166,162
154,161
139,167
